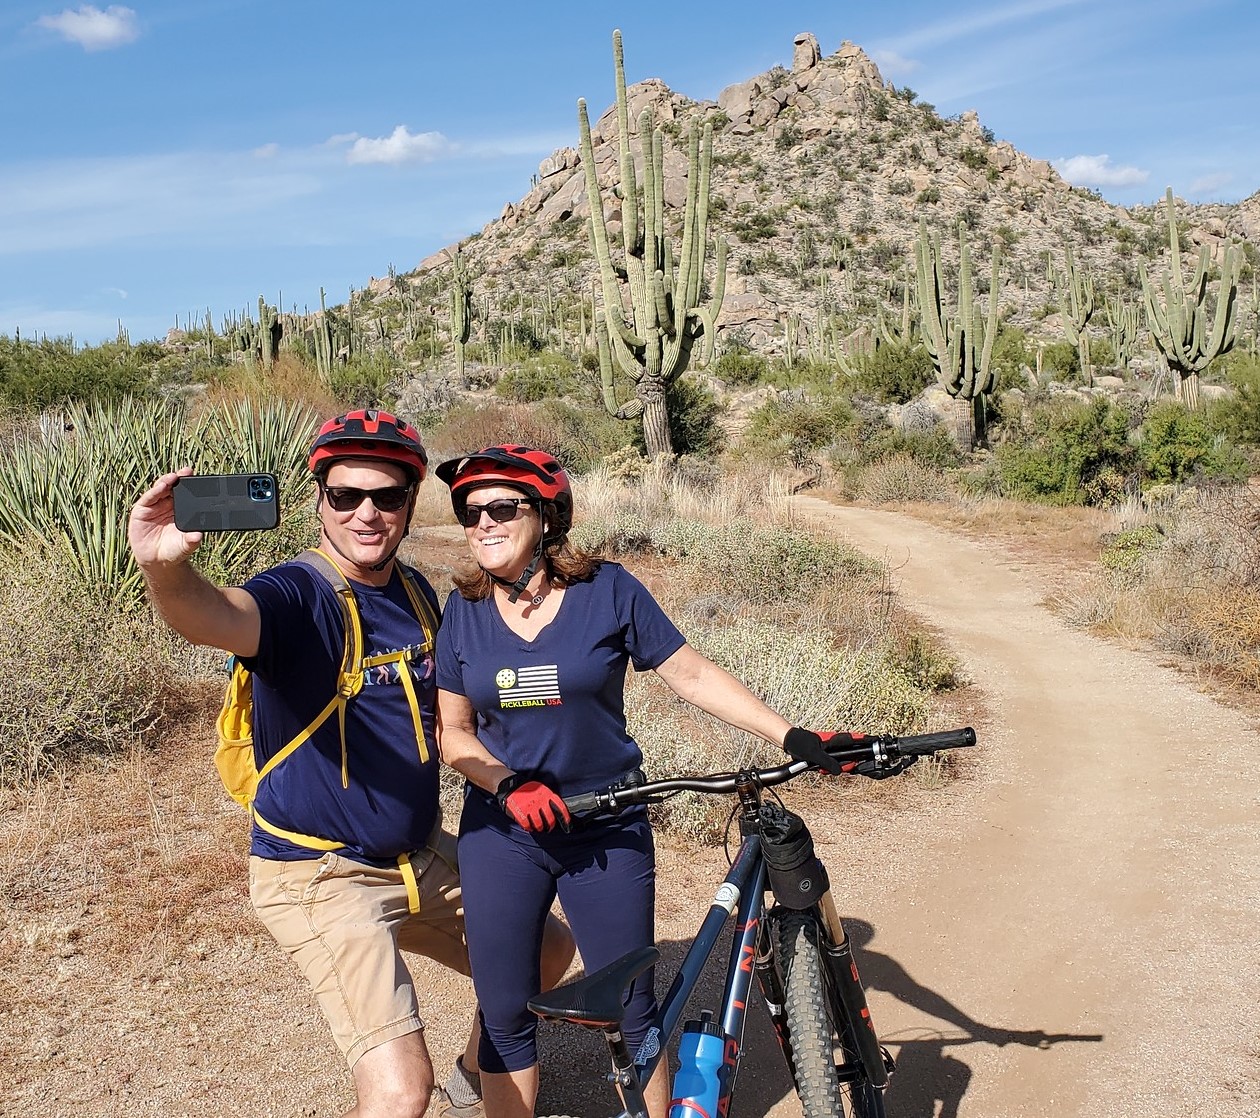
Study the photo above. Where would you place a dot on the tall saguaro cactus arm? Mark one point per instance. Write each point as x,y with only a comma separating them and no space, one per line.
1179,322
961,347
650,341
1077,306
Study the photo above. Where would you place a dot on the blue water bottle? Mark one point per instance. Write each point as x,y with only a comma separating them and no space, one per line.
698,1082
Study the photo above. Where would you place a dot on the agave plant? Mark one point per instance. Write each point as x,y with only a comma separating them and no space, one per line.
72,495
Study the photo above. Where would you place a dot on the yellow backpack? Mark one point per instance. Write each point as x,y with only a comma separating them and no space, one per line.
234,755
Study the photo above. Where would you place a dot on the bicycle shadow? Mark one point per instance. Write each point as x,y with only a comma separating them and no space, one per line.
931,1080
927,1074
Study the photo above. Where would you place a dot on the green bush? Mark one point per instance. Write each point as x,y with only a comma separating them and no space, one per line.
1176,445
543,375
740,367
1061,361
1066,446
894,373
1238,416
366,380
790,431
693,418
37,375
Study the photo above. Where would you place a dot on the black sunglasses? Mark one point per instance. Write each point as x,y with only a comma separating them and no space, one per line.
345,498
500,511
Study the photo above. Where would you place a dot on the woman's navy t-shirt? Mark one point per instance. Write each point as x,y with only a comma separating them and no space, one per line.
390,804
554,707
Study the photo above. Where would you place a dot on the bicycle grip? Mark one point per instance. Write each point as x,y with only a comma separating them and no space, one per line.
583,801
919,745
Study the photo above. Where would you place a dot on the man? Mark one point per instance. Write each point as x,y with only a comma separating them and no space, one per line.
348,862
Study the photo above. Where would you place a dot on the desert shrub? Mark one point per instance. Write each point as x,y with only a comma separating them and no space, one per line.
1126,553
894,373
693,418
1061,361
1064,446
740,366
1176,444
38,375
789,431
542,375
930,448
366,380
1011,356
1238,415
472,425
899,477
800,672
85,676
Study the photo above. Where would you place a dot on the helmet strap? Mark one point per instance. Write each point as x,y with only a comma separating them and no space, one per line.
517,587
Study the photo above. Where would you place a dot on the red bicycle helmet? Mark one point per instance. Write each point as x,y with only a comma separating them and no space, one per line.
369,433
536,473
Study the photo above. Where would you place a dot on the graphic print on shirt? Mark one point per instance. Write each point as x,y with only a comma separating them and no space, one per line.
535,686
421,665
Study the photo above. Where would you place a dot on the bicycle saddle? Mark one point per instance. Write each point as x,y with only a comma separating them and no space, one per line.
595,1001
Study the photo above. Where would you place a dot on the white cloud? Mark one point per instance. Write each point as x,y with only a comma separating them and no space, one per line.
117,292
92,28
266,151
1098,170
400,146
893,65
1210,184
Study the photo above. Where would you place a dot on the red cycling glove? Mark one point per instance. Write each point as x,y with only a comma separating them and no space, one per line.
531,804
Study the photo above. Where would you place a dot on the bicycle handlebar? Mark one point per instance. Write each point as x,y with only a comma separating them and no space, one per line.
881,751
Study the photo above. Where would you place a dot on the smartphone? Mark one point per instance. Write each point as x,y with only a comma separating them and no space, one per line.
226,503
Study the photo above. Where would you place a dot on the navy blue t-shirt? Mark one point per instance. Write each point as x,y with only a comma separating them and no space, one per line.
391,803
554,707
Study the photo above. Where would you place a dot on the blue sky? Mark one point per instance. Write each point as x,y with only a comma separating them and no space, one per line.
163,157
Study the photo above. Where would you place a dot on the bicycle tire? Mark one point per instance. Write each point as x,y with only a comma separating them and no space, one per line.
816,1026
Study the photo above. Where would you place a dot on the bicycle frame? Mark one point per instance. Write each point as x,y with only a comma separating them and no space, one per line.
740,896
595,1001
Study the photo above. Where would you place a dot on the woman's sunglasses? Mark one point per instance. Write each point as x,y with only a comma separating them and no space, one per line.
389,498
500,511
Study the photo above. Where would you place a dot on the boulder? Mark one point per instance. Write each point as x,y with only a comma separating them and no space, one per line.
805,52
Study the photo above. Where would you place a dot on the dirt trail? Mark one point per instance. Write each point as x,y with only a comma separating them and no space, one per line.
1102,880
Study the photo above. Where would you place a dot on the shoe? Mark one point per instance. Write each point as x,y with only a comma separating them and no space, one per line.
444,1108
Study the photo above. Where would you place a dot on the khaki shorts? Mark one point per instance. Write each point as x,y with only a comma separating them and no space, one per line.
345,924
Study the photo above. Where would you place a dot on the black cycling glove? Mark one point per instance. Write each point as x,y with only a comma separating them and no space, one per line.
805,745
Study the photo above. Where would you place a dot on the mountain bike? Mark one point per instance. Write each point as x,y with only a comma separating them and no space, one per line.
795,947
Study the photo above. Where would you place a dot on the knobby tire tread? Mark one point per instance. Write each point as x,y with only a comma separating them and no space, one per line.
813,1029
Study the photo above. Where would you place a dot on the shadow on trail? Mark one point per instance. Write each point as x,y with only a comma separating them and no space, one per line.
928,1074
931,1077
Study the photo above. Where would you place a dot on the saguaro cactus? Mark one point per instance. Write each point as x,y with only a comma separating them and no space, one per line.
461,310
1179,324
1122,318
1077,306
961,348
667,316
270,331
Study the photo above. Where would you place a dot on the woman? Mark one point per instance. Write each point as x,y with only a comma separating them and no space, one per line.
532,659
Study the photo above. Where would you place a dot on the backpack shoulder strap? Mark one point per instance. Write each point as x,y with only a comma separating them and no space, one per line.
351,677
420,605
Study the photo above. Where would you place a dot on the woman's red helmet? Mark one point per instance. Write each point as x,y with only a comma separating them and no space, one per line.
369,433
536,473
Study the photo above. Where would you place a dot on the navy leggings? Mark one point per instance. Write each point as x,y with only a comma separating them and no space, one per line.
605,875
